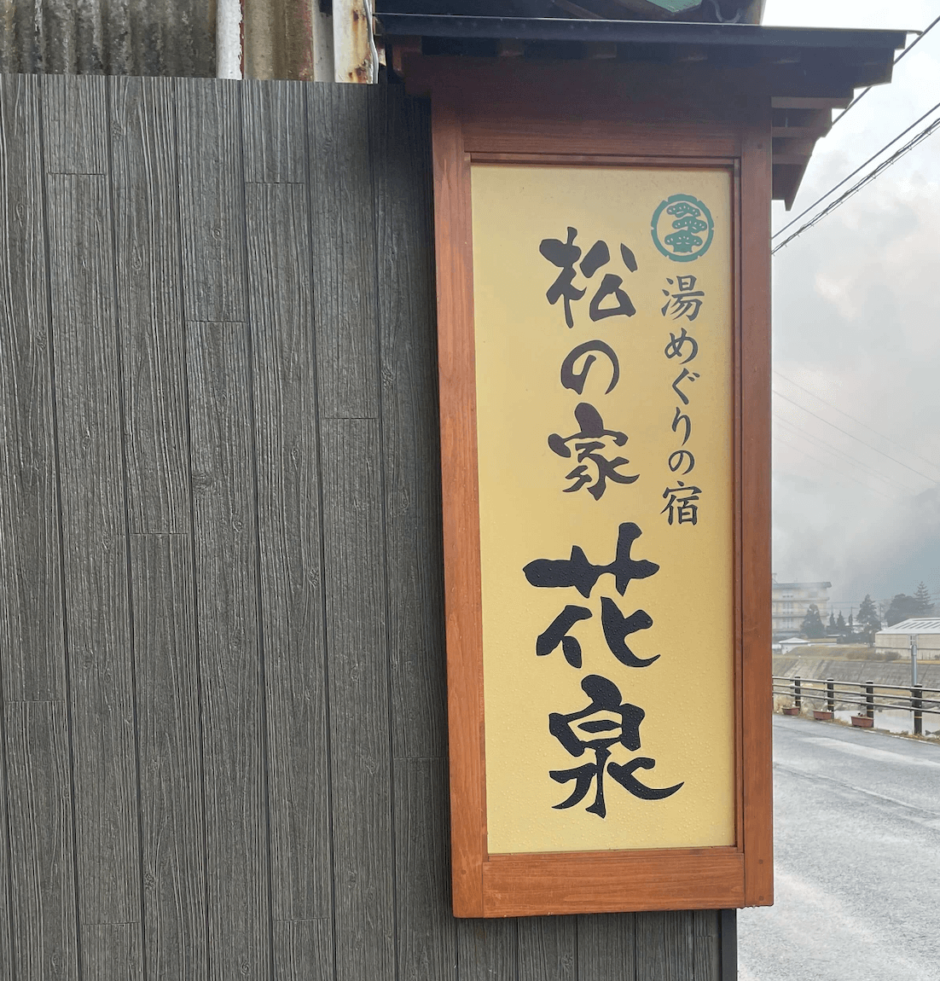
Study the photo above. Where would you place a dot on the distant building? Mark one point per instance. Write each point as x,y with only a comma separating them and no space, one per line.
791,644
791,600
898,637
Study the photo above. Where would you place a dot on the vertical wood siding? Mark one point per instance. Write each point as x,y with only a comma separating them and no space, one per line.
222,692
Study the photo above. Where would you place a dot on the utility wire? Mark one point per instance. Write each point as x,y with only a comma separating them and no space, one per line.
835,408
857,170
852,436
920,37
870,176
799,449
891,482
851,105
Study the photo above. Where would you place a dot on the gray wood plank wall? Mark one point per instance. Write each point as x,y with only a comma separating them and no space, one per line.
222,693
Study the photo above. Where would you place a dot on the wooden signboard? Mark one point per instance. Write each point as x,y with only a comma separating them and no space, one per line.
604,370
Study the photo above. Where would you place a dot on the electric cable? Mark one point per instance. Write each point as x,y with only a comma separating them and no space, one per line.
870,176
799,449
857,170
893,483
920,37
851,105
858,422
851,436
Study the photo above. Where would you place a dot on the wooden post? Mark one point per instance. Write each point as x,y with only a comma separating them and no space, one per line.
830,695
797,692
870,699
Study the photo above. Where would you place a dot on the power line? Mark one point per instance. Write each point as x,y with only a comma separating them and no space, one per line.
851,105
864,180
920,37
851,436
890,484
870,471
864,425
799,449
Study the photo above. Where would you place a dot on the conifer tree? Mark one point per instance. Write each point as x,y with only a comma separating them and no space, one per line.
812,624
922,599
868,619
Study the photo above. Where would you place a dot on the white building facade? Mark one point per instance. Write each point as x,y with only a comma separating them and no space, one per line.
792,600
898,638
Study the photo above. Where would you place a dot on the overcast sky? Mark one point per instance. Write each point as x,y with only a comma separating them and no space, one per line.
856,338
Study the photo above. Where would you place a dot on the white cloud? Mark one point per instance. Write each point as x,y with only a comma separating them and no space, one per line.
857,321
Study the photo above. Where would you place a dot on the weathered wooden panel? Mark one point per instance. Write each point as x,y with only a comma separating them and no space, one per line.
407,333
32,649
401,176
42,869
706,941
6,885
547,946
226,568
303,950
289,529
211,185
487,950
111,950
74,119
664,946
427,945
679,948
97,615
363,831
275,145
344,246
171,789
605,947
149,291
286,595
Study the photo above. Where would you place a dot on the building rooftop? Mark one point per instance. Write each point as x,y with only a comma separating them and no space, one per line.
916,625
801,585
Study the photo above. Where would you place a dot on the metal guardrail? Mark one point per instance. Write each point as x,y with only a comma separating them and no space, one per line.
915,699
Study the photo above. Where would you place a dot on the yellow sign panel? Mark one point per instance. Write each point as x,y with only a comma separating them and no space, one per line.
603,324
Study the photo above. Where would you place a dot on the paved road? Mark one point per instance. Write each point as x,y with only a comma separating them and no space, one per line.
857,842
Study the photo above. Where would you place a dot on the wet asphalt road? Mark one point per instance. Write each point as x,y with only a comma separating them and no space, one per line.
857,855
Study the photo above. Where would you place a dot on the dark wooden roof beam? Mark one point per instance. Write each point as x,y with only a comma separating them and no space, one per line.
786,181
810,102
802,123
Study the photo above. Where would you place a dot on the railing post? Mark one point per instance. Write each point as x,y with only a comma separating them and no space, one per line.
917,705
870,699
797,692
830,695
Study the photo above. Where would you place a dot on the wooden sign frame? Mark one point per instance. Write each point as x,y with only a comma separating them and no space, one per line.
587,113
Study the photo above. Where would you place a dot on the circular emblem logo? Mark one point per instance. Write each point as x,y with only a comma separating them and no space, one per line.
682,228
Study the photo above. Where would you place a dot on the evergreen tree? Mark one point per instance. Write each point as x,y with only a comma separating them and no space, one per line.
840,623
922,599
902,607
832,621
868,619
812,624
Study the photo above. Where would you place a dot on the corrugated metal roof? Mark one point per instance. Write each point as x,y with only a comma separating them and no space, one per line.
97,37
916,625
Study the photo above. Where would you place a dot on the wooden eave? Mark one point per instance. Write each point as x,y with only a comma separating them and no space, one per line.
807,72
